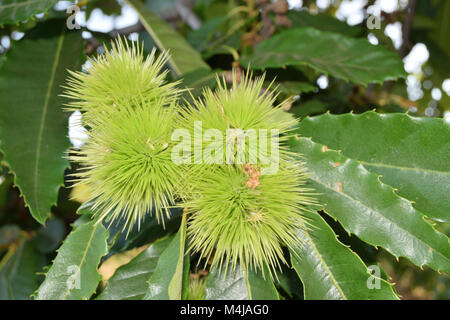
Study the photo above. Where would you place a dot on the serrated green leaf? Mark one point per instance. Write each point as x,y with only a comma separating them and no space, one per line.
370,209
168,280
331,271
236,285
129,282
18,278
33,126
74,273
345,58
183,57
13,11
323,22
412,154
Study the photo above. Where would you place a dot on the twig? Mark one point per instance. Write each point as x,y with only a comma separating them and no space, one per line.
407,25
138,27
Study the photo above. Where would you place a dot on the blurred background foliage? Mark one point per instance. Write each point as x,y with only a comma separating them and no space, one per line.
223,32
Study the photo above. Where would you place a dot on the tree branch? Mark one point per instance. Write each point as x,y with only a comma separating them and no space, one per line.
407,25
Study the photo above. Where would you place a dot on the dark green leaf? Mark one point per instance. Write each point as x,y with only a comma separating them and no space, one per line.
167,281
370,209
323,22
148,231
129,282
412,154
235,285
145,232
442,27
33,126
183,57
197,80
74,273
48,238
202,38
289,283
160,6
13,11
331,271
350,59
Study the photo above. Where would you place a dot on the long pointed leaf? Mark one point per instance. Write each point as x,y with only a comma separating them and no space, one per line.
330,270
235,285
412,154
33,126
13,11
183,57
370,209
74,273
334,54
168,280
129,282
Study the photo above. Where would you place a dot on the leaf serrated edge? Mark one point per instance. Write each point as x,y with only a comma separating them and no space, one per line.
328,116
31,16
36,215
400,75
306,231
384,185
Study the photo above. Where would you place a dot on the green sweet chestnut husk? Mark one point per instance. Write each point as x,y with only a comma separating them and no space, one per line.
116,77
130,112
126,163
238,217
237,109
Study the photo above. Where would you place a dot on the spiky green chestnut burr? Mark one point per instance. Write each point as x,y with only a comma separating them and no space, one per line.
239,217
243,110
126,163
120,75
129,110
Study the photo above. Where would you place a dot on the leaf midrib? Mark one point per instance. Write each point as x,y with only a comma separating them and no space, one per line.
325,265
83,258
391,166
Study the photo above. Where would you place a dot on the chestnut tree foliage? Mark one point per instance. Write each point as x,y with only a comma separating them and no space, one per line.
361,196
